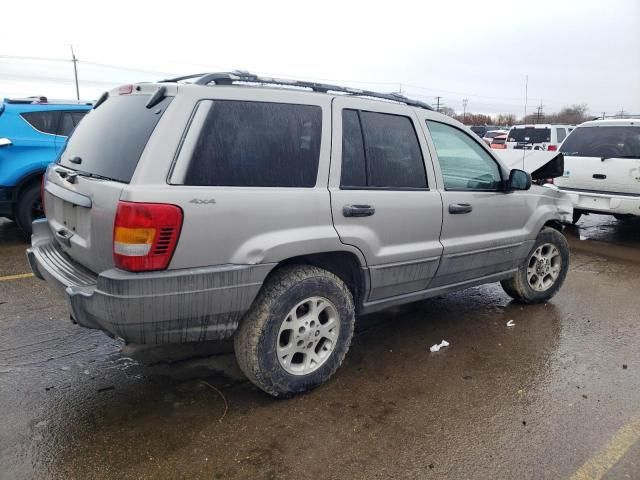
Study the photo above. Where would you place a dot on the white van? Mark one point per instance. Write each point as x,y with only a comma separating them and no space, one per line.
538,137
602,168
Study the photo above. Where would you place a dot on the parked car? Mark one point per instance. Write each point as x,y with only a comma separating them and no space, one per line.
499,141
602,168
230,208
537,137
32,132
490,135
480,130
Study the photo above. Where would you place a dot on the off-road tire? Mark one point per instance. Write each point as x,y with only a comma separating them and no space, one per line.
24,207
518,286
256,339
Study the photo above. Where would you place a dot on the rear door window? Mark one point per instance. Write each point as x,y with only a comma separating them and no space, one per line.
605,141
257,144
45,122
111,138
68,122
380,150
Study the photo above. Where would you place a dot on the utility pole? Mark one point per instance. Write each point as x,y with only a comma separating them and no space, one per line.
603,115
526,96
75,71
539,114
438,103
465,101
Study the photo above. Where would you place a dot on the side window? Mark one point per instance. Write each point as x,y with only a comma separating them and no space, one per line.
77,116
257,144
45,122
66,124
354,168
562,133
380,150
464,164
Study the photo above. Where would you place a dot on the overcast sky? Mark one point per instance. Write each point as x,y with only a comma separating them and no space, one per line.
572,51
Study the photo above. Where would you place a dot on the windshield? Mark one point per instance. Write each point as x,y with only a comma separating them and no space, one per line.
110,139
619,141
530,135
492,134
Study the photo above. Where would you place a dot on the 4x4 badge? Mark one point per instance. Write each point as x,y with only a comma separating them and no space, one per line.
202,201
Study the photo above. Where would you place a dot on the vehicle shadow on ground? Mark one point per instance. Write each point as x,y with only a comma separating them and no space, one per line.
389,381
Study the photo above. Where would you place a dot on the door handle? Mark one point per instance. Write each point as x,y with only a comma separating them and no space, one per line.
457,208
358,210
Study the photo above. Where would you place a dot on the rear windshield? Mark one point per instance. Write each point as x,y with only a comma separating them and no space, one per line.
603,142
492,134
530,135
110,139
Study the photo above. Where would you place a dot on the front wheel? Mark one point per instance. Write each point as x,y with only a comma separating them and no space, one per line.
297,332
542,274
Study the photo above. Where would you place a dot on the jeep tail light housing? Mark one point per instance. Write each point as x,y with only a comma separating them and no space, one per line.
552,148
145,235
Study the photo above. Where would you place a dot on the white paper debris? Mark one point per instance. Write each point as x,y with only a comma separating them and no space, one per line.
438,346
511,323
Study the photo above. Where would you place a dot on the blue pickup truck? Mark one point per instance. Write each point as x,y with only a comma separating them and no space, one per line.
33,131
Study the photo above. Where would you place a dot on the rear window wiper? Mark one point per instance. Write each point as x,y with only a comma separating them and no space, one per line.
70,176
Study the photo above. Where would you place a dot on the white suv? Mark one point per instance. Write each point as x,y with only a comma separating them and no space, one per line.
537,137
602,168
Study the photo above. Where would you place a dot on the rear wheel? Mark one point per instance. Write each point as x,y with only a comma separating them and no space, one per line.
29,207
542,274
297,332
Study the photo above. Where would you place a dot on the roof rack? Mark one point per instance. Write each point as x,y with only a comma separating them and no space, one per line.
42,99
228,78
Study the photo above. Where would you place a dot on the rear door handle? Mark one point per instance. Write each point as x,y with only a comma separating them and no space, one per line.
358,210
457,208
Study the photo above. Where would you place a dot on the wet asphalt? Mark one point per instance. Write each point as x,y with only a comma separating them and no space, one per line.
536,400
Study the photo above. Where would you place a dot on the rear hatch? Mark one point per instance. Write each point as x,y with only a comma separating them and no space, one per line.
602,159
526,138
83,188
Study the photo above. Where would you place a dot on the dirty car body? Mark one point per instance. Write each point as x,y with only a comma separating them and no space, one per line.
183,212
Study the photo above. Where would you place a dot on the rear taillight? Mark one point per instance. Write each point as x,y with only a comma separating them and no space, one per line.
145,235
125,89
552,148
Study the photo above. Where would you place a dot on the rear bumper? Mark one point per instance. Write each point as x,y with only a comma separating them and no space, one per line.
171,306
603,202
6,201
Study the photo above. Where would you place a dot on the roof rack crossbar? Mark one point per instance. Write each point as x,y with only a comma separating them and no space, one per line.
228,78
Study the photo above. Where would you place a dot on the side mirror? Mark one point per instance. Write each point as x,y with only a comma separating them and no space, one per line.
5,142
519,180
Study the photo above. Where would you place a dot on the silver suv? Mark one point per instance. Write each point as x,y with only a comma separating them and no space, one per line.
274,211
